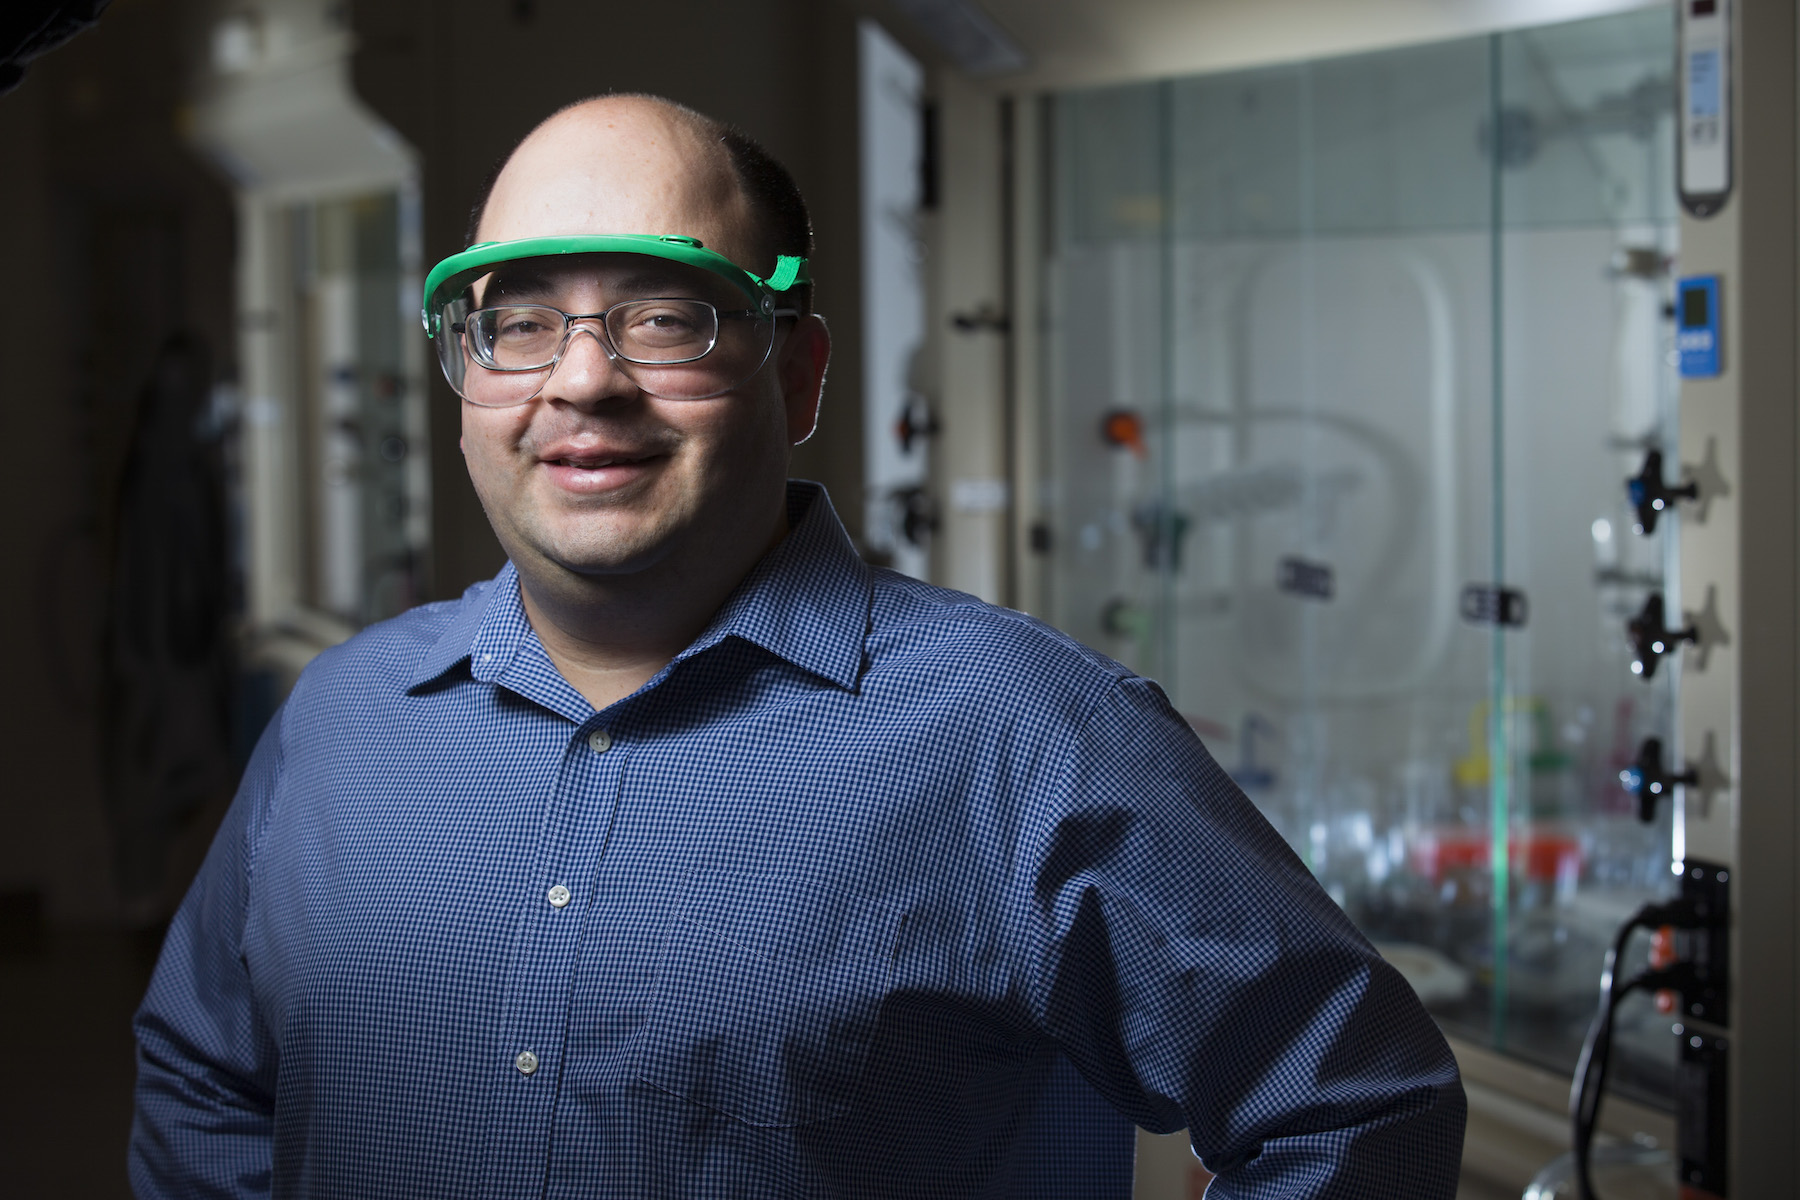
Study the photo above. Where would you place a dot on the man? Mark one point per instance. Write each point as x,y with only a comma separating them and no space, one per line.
692,857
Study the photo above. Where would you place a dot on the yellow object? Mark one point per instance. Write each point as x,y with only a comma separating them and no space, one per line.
1475,769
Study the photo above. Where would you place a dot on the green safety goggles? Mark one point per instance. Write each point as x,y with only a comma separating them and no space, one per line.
677,348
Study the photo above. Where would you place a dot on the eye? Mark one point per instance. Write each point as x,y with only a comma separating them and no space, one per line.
522,324
673,329
664,321
518,337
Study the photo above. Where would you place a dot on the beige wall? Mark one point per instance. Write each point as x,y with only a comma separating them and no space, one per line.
465,79
1739,712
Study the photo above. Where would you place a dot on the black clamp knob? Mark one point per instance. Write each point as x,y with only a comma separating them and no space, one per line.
917,513
1651,640
1650,496
915,423
1649,781
1163,530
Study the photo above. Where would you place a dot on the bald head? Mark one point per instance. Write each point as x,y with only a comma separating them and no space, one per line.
643,164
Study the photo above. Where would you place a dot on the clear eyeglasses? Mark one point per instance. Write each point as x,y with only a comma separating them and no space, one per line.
672,348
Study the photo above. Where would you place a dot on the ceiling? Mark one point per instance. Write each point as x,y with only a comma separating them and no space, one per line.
1071,43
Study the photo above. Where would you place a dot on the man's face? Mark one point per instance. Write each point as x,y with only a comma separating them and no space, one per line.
595,475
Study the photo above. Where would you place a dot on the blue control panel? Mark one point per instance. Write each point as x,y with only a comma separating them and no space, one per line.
1697,334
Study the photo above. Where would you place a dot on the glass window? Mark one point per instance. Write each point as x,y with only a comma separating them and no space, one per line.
361,511
1346,365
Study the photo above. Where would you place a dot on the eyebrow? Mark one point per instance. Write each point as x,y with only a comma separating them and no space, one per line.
533,286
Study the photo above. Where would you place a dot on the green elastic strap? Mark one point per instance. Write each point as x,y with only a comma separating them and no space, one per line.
459,270
788,271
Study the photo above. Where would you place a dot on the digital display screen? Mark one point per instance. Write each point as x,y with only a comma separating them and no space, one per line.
1703,83
1704,8
1693,309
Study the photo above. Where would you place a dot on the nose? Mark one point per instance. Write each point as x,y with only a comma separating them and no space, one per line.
587,371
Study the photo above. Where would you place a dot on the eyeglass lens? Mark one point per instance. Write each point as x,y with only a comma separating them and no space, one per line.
519,338
674,348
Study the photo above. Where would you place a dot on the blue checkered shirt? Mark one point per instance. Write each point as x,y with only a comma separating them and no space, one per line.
822,910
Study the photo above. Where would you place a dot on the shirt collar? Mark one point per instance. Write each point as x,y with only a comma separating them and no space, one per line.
806,601
452,646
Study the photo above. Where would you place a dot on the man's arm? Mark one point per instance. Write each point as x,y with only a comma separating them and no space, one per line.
1199,977
206,1067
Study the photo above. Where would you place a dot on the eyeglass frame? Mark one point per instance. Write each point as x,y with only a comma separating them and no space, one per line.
610,345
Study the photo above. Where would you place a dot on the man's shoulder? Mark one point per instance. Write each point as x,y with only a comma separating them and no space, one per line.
390,655
916,622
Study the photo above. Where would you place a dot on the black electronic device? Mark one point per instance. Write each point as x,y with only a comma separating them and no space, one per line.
1700,918
1702,1091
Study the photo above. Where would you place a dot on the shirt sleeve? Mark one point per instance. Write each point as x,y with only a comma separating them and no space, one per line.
1197,975
206,1066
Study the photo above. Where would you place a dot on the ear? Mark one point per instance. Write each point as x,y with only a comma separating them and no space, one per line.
803,355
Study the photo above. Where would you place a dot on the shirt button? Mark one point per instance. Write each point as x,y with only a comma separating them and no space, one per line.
558,896
527,1062
600,740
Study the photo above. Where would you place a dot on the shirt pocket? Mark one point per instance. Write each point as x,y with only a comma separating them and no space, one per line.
767,998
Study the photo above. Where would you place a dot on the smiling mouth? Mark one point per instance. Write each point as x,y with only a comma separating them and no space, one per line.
597,463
